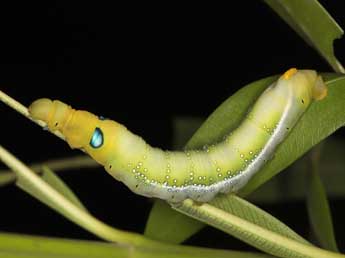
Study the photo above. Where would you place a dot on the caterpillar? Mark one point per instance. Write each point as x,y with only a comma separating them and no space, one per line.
197,174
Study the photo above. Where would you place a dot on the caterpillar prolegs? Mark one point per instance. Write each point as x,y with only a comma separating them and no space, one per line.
196,174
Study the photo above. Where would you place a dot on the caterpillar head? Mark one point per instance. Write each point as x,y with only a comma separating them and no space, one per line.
307,85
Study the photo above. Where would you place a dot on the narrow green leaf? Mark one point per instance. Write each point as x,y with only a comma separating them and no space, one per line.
54,181
319,121
291,185
318,207
24,246
49,177
229,114
312,128
313,23
245,210
161,224
38,188
257,236
194,252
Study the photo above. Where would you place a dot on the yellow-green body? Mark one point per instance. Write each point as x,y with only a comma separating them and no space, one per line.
196,174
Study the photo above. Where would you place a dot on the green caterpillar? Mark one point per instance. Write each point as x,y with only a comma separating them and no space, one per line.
196,174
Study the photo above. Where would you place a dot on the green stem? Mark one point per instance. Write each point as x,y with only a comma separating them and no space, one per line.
22,246
67,208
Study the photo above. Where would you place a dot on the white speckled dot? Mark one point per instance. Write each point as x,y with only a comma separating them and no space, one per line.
206,148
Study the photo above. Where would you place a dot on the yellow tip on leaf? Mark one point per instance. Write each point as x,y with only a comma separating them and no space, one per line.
287,75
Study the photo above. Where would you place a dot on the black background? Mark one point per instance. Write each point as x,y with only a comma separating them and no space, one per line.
139,64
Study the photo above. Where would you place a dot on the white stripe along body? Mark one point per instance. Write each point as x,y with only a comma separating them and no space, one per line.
196,174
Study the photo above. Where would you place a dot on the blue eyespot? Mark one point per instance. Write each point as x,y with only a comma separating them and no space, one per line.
97,138
101,118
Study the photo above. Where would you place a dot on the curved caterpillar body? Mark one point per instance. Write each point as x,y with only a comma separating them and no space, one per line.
195,174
